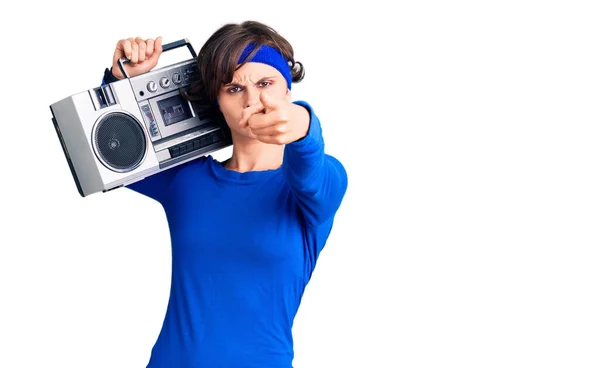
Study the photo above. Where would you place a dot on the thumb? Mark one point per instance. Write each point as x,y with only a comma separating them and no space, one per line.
157,48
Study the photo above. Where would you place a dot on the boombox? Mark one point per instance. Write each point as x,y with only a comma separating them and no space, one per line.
122,132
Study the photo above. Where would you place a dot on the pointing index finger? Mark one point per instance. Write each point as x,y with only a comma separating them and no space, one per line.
249,111
268,102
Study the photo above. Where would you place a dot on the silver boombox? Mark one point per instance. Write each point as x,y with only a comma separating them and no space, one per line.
122,132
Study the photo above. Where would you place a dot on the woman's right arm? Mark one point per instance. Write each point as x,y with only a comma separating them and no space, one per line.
155,186
143,56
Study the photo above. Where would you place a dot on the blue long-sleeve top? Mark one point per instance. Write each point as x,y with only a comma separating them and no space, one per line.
244,246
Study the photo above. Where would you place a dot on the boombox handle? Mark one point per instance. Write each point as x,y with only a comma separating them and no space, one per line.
167,47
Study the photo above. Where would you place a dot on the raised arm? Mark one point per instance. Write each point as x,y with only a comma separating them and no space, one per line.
143,56
318,180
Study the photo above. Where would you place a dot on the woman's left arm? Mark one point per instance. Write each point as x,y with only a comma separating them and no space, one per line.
318,180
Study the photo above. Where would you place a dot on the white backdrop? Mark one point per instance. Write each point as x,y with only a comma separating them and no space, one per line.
469,235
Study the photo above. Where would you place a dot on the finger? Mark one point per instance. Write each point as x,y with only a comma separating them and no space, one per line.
125,47
273,139
134,52
265,120
157,49
149,47
141,49
273,129
268,119
268,102
248,112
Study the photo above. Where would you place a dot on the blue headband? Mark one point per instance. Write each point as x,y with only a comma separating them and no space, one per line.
270,56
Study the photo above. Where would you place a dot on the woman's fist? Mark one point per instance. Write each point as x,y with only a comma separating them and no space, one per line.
142,54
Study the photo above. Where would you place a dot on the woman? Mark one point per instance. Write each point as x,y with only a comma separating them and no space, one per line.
245,233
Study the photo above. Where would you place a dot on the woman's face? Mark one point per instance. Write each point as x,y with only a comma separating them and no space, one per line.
244,90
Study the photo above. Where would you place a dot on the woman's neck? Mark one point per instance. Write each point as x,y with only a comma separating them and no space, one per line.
253,155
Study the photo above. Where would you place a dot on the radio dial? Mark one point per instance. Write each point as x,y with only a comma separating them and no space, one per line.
165,82
176,78
151,86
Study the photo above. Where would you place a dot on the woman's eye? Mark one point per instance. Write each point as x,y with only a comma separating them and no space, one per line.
233,89
264,84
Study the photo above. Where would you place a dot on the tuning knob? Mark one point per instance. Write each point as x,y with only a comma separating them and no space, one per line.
151,86
165,82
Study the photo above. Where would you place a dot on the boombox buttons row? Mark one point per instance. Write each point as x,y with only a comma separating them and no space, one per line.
164,82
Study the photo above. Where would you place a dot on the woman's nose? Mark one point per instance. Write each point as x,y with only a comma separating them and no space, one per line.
252,97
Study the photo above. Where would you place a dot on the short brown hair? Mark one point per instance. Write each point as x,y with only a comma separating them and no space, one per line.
218,58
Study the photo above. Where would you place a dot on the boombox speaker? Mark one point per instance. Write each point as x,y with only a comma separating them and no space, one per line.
122,132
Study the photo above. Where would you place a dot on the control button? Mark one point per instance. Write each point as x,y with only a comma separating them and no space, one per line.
154,130
206,140
165,82
177,78
151,86
110,99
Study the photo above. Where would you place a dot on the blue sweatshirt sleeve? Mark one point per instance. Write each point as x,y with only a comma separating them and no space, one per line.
317,180
155,186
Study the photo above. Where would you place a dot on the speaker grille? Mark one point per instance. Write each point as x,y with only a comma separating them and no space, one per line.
120,142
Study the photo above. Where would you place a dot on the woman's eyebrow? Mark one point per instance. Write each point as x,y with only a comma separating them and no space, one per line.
261,79
234,84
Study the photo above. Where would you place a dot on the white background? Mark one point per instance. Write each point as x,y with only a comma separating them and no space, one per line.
469,235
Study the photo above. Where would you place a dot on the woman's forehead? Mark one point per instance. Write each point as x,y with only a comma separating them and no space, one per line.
255,71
